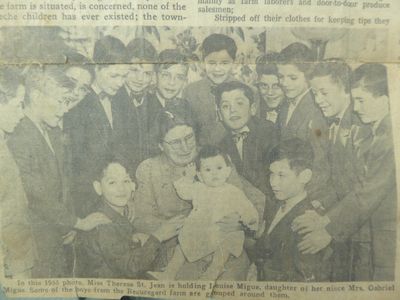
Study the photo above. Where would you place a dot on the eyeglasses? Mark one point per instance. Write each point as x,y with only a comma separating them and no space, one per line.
189,140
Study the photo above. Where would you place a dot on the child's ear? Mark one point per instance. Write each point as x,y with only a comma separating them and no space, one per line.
97,188
253,109
305,176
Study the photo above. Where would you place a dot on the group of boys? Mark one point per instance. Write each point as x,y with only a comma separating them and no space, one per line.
315,138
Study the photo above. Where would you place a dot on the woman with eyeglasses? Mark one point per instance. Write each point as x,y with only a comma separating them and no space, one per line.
156,200
17,246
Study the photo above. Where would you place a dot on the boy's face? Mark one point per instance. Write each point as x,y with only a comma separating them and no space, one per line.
270,90
171,81
12,111
285,182
218,66
82,80
235,109
214,171
51,109
330,96
368,107
116,186
139,76
292,80
111,78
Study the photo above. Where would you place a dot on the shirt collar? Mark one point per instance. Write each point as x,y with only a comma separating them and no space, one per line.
295,101
96,88
292,202
160,99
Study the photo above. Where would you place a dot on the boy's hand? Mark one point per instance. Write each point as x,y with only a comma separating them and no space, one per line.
309,221
169,228
92,221
314,242
140,238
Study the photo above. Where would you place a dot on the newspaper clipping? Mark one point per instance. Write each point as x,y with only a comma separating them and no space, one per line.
199,149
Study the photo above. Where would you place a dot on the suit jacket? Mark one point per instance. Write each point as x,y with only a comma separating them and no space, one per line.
91,140
308,123
256,147
371,204
277,255
109,252
137,120
18,245
341,154
41,171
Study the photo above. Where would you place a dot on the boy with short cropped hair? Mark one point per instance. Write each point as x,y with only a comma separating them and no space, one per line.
219,54
117,250
248,139
143,58
213,199
367,213
277,255
271,93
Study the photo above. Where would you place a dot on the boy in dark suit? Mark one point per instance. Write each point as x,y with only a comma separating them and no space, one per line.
277,255
38,151
143,57
95,127
367,213
248,140
271,93
219,53
117,250
299,115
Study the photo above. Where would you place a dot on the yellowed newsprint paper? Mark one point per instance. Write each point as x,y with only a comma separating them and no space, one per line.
199,149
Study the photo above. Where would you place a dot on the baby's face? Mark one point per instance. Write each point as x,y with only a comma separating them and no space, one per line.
214,171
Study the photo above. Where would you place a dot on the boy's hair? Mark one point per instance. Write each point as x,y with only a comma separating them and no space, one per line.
143,50
372,77
10,80
336,69
266,64
169,58
298,152
103,165
231,86
109,50
208,151
37,76
299,55
217,42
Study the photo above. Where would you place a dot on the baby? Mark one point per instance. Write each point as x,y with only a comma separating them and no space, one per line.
213,199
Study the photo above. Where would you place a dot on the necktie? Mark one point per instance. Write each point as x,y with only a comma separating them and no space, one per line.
333,120
237,137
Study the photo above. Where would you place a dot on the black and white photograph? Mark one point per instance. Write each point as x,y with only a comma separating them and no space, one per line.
197,153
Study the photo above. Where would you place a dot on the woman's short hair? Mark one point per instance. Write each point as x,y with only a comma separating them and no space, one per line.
167,121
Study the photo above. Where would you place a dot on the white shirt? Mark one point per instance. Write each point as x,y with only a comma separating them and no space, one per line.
293,105
271,115
161,99
239,143
334,128
105,102
285,209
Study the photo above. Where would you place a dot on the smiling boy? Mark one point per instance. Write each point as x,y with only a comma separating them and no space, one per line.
219,54
248,140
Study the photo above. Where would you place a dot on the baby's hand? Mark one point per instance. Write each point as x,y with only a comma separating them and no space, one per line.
190,171
140,238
